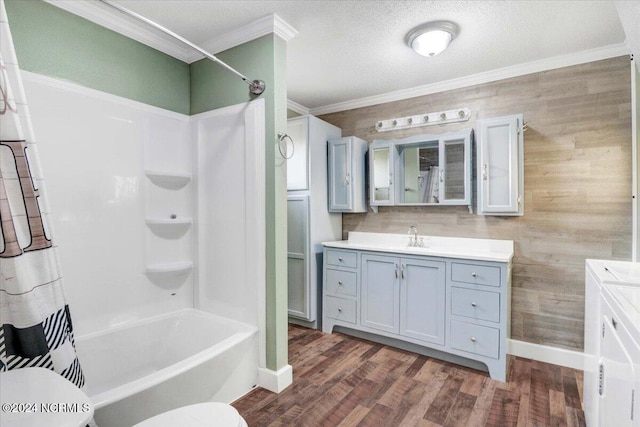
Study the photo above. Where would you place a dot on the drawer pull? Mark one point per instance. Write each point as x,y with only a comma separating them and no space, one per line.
474,274
340,259
614,323
339,310
473,339
474,305
339,282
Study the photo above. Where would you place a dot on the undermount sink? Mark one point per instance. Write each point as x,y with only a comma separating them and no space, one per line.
453,247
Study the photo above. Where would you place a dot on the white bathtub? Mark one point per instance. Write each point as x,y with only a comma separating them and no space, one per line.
142,369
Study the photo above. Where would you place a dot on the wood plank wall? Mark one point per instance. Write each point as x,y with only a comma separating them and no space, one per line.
577,185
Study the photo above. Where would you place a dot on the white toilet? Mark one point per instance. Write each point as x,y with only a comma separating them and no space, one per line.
40,386
198,415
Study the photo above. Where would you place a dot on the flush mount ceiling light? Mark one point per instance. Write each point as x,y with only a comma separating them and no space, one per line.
432,38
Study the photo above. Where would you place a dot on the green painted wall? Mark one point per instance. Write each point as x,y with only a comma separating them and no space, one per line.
214,87
55,43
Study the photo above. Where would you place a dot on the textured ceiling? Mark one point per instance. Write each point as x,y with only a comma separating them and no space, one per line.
347,50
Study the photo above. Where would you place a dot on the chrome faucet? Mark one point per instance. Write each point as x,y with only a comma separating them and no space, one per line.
413,230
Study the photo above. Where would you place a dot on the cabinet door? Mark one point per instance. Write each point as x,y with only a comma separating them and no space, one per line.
298,164
500,166
340,175
455,171
380,292
616,391
297,256
422,300
381,174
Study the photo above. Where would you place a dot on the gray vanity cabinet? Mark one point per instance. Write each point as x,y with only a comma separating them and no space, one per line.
346,175
405,296
459,307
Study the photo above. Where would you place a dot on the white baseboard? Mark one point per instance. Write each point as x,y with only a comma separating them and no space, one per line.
543,353
275,381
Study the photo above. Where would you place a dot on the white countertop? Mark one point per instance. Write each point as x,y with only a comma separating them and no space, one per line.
448,247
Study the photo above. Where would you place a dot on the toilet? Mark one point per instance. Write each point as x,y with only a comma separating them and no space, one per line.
43,386
199,415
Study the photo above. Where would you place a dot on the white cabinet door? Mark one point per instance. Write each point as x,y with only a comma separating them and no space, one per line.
298,164
500,166
422,300
298,256
340,179
616,375
380,292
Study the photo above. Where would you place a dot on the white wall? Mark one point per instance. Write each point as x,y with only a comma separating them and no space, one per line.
94,149
230,212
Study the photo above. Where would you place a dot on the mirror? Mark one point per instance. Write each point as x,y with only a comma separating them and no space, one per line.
382,177
421,175
454,165
429,169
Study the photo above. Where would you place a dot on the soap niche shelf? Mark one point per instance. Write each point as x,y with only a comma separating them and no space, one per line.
169,275
168,228
169,180
172,269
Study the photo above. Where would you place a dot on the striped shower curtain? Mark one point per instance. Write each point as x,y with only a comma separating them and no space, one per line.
36,327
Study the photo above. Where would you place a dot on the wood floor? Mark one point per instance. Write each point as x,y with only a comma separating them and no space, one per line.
345,381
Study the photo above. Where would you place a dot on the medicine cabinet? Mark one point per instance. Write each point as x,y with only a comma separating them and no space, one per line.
501,166
422,170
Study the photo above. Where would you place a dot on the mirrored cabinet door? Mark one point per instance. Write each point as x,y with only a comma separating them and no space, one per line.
456,173
382,165
430,170
420,166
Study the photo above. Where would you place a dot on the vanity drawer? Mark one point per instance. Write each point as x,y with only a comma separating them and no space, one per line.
340,309
482,305
340,282
342,258
475,274
475,339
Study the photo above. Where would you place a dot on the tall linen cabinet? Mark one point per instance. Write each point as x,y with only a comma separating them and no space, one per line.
309,221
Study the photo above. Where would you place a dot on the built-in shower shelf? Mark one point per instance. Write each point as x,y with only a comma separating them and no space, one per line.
170,180
169,269
169,228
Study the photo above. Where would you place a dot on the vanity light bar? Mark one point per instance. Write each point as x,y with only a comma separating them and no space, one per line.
427,119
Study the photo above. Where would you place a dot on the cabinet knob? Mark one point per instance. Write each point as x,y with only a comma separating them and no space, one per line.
339,310
340,259
474,274
474,305
339,282
473,339
614,323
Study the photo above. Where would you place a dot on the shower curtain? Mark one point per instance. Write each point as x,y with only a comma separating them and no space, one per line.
36,328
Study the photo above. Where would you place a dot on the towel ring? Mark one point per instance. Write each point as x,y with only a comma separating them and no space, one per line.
282,140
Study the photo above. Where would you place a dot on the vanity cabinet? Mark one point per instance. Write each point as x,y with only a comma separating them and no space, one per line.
404,296
459,307
500,167
346,157
422,170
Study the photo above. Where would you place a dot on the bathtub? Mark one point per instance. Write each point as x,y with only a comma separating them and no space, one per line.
141,369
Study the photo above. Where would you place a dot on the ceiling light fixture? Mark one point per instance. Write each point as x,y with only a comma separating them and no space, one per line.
432,38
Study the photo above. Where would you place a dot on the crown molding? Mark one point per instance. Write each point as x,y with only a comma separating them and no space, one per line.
116,21
298,108
576,58
112,19
261,27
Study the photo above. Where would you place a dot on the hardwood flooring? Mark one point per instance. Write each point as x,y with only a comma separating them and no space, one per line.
345,381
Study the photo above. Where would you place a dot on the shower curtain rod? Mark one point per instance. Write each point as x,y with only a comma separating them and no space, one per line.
256,87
